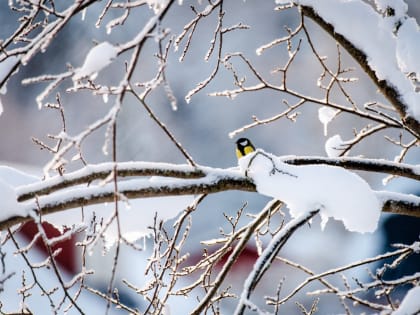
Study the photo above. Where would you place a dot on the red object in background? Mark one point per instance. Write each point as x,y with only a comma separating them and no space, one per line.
66,259
245,260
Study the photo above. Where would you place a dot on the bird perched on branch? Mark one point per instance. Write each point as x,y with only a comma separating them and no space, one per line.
243,147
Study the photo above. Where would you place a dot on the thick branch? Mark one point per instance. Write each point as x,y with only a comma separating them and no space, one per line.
127,169
386,88
58,194
144,188
102,171
360,164
131,189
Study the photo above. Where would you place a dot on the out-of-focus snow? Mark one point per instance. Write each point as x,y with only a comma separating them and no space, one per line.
336,192
326,115
10,178
97,59
390,41
335,146
410,304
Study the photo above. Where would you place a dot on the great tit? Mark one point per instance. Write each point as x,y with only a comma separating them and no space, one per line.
243,147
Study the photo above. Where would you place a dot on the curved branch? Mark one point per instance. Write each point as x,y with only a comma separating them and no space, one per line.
386,88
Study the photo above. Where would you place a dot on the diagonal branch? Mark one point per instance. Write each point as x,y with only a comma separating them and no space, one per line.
264,261
386,88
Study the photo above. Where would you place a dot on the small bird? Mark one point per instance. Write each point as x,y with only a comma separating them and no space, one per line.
243,147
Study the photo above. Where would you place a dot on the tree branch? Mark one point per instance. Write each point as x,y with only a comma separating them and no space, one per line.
58,194
386,88
360,164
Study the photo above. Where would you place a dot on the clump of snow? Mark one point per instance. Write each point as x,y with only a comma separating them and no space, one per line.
335,146
336,192
97,59
326,115
411,303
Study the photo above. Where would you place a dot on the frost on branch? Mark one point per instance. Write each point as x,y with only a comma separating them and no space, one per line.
336,192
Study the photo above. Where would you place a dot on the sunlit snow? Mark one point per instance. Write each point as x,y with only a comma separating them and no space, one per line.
336,192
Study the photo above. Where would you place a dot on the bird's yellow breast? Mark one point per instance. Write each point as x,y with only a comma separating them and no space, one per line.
248,149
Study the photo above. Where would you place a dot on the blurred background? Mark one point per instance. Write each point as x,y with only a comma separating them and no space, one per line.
203,125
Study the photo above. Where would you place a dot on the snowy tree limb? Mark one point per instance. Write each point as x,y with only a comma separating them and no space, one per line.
51,196
361,164
268,255
386,88
127,169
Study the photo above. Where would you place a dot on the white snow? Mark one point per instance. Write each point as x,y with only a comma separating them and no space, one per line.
392,53
410,304
5,67
157,5
326,115
335,146
336,192
9,179
97,59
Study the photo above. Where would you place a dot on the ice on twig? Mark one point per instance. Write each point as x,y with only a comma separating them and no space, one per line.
336,192
326,115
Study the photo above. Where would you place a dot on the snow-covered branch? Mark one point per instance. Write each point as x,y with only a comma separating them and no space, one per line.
127,169
267,256
93,185
361,164
360,52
